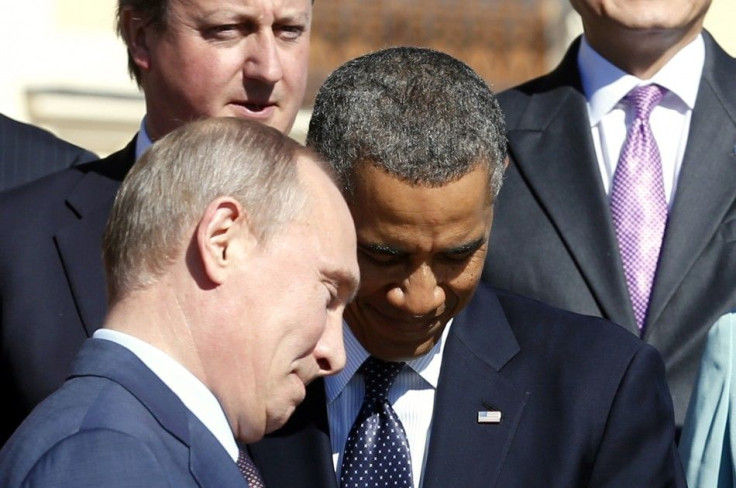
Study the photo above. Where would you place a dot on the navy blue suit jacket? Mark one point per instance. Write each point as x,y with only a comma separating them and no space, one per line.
28,152
584,404
52,286
553,237
114,424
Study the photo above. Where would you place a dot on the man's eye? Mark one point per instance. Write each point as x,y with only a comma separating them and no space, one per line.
333,298
459,257
224,31
383,259
228,31
289,32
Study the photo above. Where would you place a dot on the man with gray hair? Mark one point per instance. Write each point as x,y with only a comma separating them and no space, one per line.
230,256
192,59
449,382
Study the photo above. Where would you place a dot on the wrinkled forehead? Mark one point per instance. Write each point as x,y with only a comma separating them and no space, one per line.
246,7
387,209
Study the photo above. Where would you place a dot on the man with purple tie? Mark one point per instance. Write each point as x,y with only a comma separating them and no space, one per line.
582,224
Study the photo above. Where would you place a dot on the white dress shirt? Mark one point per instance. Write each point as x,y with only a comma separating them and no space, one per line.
192,392
605,85
411,395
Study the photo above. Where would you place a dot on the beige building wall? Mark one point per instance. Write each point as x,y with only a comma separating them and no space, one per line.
64,68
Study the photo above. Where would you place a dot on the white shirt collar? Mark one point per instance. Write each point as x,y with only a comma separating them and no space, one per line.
427,366
192,392
605,85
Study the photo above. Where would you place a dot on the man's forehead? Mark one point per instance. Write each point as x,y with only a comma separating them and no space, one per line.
224,8
380,195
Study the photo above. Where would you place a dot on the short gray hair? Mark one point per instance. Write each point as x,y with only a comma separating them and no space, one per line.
419,114
165,193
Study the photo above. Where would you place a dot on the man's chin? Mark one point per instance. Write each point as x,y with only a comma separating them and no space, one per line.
280,420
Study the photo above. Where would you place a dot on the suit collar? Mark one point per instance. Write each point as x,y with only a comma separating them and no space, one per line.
551,134
209,462
79,243
463,451
708,170
101,180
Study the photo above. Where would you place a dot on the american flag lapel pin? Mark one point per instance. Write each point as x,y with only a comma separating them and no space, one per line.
490,416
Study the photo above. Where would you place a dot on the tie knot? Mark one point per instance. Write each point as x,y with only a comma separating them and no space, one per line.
644,99
379,376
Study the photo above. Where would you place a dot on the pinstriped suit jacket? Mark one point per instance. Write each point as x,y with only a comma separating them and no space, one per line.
52,285
28,152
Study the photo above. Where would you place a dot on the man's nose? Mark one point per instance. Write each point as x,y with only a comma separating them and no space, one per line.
262,61
330,350
419,294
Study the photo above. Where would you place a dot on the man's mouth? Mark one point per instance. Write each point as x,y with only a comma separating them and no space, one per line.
256,107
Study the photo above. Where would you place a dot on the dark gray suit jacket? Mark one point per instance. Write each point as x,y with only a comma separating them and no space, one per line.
115,424
584,404
553,238
52,285
28,152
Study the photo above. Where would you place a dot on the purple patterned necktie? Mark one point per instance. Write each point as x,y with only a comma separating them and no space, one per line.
638,203
377,450
249,470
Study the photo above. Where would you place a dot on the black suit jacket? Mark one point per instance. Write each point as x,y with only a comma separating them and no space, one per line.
52,286
584,403
28,152
553,237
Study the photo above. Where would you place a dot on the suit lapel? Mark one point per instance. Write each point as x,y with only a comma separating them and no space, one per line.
553,135
462,451
208,461
705,188
79,244
206,453
300,453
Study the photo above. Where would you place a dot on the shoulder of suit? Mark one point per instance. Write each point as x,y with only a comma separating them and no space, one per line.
530,317
48,195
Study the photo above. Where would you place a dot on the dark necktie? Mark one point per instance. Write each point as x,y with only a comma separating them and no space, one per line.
638,203
249,470
377,450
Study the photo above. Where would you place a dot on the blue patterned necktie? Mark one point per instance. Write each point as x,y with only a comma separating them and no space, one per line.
638,203
377,450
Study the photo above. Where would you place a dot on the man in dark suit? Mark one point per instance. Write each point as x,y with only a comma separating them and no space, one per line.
554,238
492,389
28,152
203,346
192,59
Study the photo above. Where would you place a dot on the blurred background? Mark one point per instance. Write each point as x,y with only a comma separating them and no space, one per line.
63,67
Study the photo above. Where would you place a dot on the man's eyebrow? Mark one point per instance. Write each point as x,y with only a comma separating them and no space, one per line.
467,247
345,281
387,250
381,249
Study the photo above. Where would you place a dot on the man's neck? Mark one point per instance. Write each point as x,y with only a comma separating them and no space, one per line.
642,53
